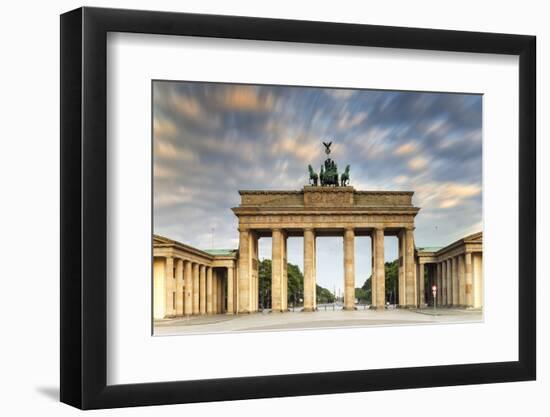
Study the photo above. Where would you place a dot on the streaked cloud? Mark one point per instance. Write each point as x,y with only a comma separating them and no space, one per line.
406,148
246,98
417,163
212,139
349,120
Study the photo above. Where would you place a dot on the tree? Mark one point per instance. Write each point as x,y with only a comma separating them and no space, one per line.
364,294
295,286
392,281
391,270
264,285
324,295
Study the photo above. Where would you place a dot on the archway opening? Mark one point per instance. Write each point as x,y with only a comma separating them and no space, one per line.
295,273
329,272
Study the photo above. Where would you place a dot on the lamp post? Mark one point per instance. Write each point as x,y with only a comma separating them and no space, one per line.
434,293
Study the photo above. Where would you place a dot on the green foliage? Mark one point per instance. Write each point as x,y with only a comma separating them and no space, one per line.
364,294
324,295
295,286
264,285
295,283
392,280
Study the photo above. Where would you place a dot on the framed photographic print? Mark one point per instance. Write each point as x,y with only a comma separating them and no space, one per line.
258,207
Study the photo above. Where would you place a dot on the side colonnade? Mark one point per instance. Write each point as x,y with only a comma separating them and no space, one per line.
187,281
456,271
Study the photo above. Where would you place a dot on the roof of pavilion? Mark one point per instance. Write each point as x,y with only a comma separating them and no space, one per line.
429,249
159,240
220,252
473,238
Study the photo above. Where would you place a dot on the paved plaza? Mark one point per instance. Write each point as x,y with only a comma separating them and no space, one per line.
322,319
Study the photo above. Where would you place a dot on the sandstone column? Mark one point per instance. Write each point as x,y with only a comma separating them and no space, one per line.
477,279
461,282
443,289
349,269
244,270
230,307
179,287
449,282
196,299
202,289
378,276
309,279
209,290
439,285
236,288
215,291
188,281
454,263
170,287
401,268
253,272
469,280
221,293
159,288
409,269
278,270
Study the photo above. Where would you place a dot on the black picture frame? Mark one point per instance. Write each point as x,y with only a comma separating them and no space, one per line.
83,312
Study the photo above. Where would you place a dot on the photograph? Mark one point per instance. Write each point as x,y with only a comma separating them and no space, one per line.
291,208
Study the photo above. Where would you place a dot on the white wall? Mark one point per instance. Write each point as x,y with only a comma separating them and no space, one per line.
29,175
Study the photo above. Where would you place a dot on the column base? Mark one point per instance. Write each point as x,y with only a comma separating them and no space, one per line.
308,309
349,308
229,313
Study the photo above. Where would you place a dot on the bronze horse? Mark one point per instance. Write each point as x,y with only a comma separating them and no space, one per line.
344,178
313,177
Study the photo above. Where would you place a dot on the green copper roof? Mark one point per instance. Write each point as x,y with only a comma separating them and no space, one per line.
429,249
220,252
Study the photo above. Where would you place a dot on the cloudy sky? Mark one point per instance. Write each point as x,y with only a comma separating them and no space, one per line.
210,140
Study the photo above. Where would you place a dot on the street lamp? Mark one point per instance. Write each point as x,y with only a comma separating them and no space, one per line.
434,293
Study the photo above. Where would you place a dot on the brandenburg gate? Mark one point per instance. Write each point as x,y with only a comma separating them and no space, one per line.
317,211
190,281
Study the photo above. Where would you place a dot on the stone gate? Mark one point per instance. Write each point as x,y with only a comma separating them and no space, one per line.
318,211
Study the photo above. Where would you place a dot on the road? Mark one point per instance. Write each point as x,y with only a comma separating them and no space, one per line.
267,321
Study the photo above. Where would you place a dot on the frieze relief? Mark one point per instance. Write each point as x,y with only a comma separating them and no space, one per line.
313,198
325,220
